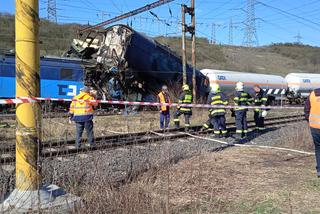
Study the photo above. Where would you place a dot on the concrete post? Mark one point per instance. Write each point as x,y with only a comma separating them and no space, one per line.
28,115
28,196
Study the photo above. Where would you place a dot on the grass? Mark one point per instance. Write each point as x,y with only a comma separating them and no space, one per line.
241,183
60,129
238,180
264,207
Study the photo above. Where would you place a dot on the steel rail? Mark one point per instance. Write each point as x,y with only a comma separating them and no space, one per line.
125,136
65,148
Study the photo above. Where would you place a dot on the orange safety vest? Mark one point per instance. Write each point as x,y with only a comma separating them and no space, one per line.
82,109
314,116
162,99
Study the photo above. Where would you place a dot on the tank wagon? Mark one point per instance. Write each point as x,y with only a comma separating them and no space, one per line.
302,83
129,58
294,88
274,85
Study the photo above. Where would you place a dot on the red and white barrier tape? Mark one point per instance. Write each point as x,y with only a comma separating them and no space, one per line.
20,100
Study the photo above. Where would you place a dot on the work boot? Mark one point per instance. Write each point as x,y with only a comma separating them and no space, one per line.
318,174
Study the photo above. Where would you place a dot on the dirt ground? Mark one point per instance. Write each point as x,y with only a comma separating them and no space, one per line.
238,180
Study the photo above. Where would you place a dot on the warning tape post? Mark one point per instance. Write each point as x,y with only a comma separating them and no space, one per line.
19,100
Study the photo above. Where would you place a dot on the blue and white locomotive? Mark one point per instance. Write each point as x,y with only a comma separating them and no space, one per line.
59,77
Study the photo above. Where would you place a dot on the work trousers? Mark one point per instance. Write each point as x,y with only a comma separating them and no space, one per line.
259,120
316,140
187,116
164,119
241,122
218,122
88,126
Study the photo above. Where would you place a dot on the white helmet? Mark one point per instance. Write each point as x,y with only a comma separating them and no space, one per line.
239,86
215,88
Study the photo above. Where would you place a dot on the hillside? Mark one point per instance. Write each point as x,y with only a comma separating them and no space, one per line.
55,39
276,59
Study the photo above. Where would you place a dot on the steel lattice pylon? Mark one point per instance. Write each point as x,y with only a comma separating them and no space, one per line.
251,37
52,11
231,32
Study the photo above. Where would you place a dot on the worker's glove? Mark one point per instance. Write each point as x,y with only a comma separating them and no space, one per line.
70,121
264,113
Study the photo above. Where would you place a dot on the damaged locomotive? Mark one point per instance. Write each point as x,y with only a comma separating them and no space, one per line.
124,64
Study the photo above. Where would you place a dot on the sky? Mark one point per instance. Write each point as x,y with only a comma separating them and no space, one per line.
276,21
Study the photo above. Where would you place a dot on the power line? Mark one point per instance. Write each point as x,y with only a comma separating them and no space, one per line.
129,14
297,7
288,13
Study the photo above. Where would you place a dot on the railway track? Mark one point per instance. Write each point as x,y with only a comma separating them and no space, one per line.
66,148
59,114
12,116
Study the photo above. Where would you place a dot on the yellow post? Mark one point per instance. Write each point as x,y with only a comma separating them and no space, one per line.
27,84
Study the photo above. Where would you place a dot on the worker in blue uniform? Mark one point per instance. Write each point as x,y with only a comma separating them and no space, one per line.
184,98
260,100
241,99
217,117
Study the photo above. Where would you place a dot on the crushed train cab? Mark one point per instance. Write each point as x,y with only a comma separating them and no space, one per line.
123,61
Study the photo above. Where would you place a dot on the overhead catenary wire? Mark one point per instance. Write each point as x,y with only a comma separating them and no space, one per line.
126,15
292,15
291,9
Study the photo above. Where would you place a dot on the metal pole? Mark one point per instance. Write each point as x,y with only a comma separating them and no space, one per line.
27,85
193,35
213,33
184,52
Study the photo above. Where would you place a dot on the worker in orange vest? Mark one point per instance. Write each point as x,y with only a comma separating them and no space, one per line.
163,97
312,114
81,112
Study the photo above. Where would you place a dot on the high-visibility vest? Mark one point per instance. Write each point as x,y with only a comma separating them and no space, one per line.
314,116
81,108
217,100
260,99
164,99
242,99
187,99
